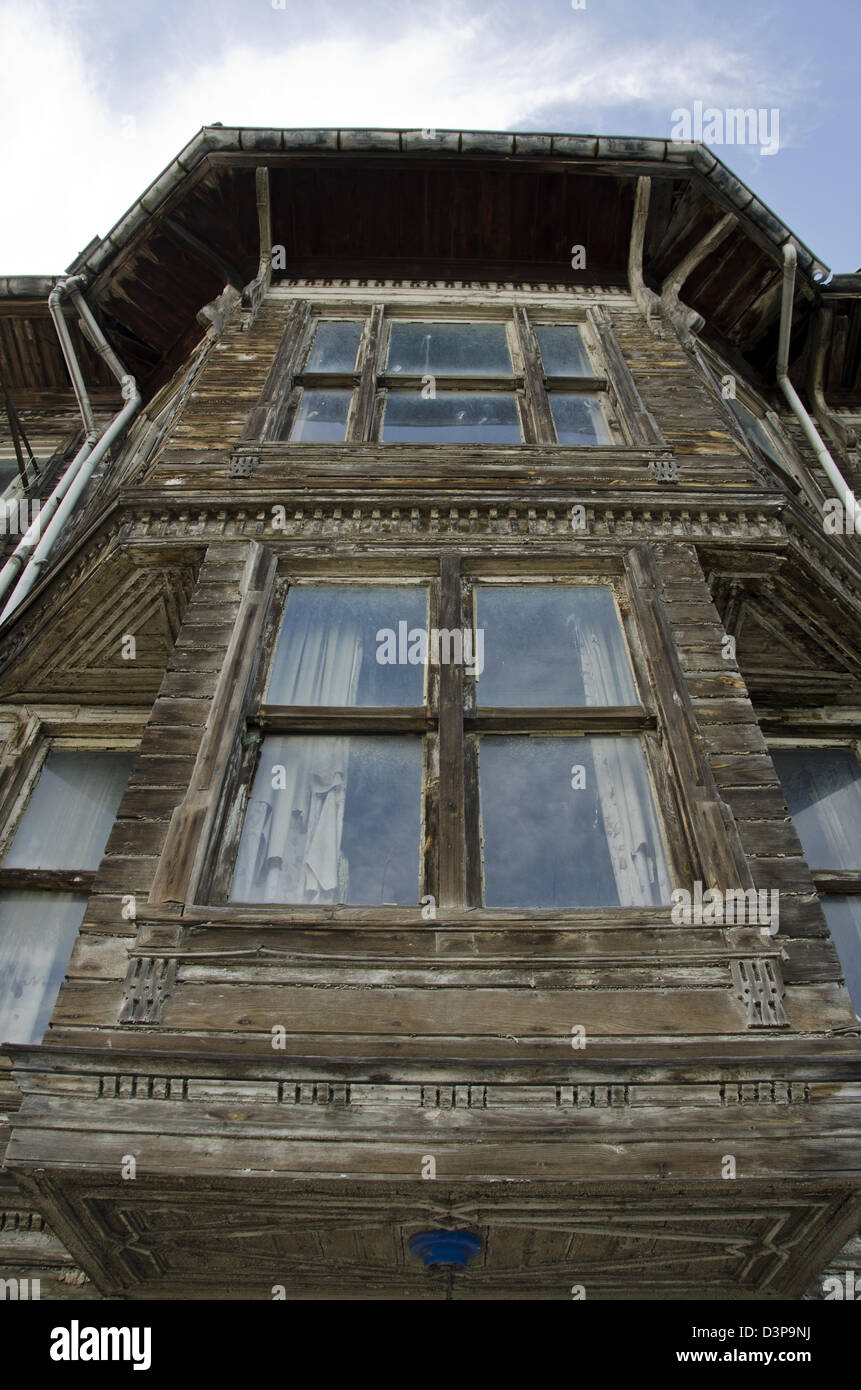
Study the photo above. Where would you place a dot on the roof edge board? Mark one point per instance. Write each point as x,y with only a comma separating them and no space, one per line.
27,286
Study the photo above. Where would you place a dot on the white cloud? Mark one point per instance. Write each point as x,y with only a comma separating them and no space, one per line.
76,164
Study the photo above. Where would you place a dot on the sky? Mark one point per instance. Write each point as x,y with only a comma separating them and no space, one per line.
97,97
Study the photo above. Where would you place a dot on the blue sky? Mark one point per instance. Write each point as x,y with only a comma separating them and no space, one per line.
96,97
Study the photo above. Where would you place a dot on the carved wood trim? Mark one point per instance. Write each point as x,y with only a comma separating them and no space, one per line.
148,984
759,985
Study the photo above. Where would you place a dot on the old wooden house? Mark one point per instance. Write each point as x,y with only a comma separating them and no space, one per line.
430,699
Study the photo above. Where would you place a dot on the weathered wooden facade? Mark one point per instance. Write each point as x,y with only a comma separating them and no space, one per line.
518,385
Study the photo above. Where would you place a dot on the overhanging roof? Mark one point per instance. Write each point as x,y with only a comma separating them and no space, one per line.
414,204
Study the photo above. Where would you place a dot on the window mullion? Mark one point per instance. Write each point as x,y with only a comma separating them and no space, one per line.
538,414
452,814
361,430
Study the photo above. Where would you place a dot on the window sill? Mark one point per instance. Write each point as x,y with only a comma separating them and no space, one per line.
268,916
276,448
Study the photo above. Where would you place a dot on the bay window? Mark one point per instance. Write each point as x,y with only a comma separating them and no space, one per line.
381,375
462,737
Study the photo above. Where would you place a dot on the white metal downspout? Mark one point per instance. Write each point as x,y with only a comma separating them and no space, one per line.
76,485
19,558
30,539
838,482
31,553
55,307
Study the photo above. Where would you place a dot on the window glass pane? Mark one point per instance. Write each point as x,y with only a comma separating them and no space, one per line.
822,787
37,934
843,916
333,819
551,645
8,472
756,431
322,415
453,417
578,419
449,349
569,822
71,811
563,351
335,345
341,645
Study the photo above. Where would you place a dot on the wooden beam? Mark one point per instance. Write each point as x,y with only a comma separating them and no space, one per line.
687,321
647,301
229,273
254,293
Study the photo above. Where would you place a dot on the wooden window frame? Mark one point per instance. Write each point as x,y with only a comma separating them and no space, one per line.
828,882
700,838
629,424
22,763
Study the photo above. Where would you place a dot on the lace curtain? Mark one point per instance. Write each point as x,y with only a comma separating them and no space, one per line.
627,805
290,851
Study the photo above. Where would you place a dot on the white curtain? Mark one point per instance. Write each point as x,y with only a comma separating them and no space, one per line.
822,790
843,916
71,812
37,934
627,807
65,826
290,851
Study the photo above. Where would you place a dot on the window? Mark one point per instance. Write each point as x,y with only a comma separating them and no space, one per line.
326,385
576,410
757,431
747,411
334,816
45,877
822,787
477,741
447,381
8,473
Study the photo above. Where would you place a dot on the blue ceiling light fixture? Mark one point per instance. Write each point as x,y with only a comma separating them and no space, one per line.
449,1251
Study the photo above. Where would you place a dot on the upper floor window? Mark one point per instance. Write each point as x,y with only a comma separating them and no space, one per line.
418,379
822,787
476,741
761,435
45,876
